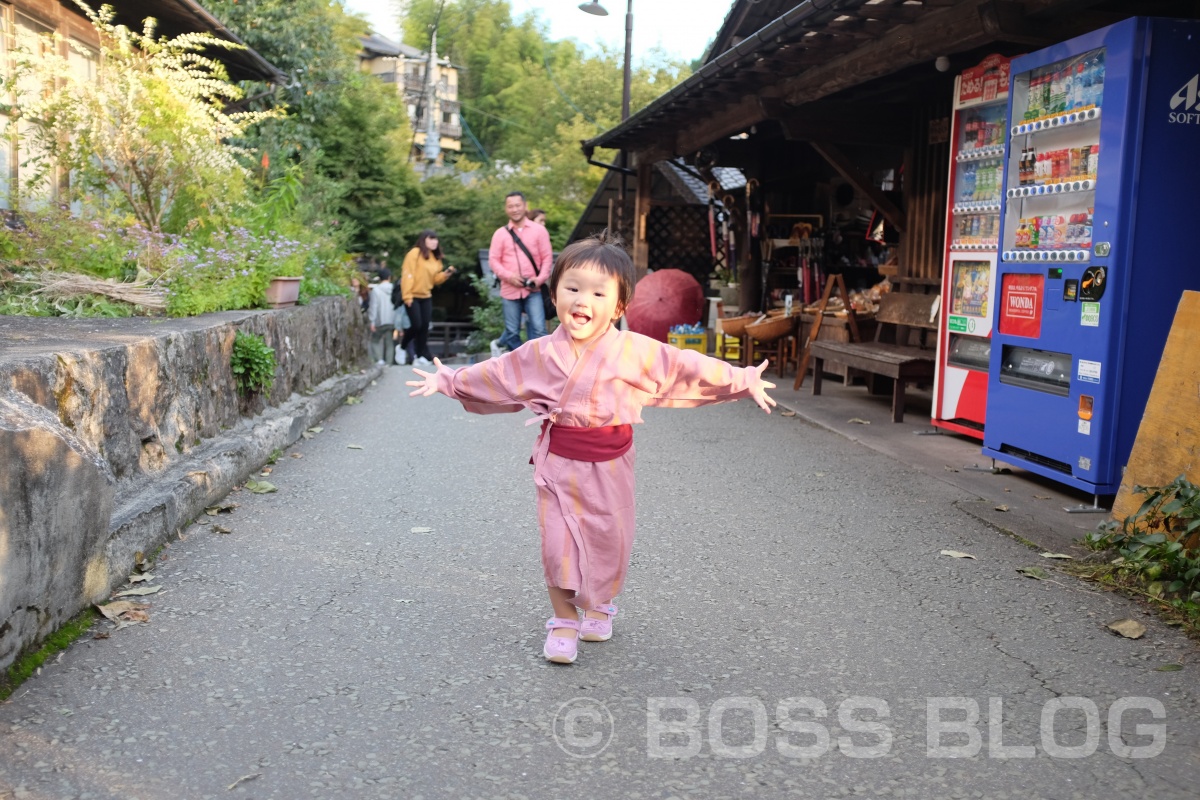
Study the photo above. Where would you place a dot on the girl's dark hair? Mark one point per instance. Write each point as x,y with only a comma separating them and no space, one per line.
605,252
422,245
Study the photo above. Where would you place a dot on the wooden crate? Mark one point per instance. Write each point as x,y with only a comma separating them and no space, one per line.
837,329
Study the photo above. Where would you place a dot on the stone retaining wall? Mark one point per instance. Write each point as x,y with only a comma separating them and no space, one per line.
115,434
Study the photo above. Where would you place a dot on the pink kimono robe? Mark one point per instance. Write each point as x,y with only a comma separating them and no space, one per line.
586,508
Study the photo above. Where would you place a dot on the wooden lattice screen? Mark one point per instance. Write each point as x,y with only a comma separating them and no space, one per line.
678,239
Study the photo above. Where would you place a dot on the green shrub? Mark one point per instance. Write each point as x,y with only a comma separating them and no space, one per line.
253,363
1157,550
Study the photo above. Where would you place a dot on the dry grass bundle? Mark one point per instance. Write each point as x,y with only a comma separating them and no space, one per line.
72,284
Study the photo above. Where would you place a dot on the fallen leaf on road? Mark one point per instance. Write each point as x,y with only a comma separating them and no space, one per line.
957,554
315,429
1058,555
243,779
1169,668
858,421
221,529
1034,572
138,592
265,471
353,401
297,455
819,474
138,578
1042,497
354,447
1002,508
260,487
117,608
221,508
421,530
100,635
950,469
1129,628
787,413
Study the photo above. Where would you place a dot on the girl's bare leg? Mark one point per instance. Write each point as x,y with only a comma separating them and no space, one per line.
560,599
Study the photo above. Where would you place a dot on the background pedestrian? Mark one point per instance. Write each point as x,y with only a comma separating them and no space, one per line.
381,316
522,257
421,271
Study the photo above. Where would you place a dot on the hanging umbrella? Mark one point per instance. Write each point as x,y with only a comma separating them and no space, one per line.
664,298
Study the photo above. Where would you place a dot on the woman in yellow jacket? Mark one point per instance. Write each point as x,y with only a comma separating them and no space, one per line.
422,270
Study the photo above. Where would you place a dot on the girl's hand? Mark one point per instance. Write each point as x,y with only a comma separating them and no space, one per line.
451,270
429,381
758,388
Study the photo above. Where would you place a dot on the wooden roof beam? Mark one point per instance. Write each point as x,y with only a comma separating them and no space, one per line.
727,122
861,183
968,25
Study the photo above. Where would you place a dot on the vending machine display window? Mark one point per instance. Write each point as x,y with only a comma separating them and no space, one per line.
1040,370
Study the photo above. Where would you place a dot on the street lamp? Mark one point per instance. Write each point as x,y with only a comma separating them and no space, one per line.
598,10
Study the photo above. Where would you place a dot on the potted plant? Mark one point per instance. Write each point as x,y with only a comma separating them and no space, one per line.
726,283
283,291
286,269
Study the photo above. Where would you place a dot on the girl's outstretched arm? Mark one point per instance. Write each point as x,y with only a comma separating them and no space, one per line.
429,380
758,387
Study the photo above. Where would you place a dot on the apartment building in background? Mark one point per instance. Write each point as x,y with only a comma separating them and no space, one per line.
406,67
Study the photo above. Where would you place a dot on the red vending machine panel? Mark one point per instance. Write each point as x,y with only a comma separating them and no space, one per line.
978,133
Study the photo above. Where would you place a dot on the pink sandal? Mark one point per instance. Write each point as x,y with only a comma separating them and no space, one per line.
560,649
598,630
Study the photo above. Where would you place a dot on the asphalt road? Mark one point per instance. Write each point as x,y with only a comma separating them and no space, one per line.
374,629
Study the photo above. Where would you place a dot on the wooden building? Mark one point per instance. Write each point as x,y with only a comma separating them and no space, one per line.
24,22
840,110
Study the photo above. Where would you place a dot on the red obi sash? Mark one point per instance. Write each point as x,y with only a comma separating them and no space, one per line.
589,444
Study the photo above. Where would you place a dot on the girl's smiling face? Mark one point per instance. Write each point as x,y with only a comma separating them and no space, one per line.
587,301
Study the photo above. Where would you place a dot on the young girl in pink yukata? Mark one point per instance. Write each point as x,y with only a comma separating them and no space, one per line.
587,383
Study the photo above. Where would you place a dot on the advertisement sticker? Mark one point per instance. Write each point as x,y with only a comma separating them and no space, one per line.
1092,285
1089,315
1021,304
1089,371
1085,427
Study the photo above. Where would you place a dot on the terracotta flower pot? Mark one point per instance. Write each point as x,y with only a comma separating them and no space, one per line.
283,292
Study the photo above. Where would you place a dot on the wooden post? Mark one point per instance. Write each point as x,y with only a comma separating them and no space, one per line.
641,246
802,362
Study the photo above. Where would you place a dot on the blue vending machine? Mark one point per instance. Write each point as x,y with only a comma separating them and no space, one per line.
1100,235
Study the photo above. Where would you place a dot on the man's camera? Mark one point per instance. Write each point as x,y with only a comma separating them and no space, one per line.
530,283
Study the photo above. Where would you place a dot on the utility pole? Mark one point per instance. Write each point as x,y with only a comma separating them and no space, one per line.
433,142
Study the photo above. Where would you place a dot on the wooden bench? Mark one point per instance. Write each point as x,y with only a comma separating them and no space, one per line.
447,332
888,355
